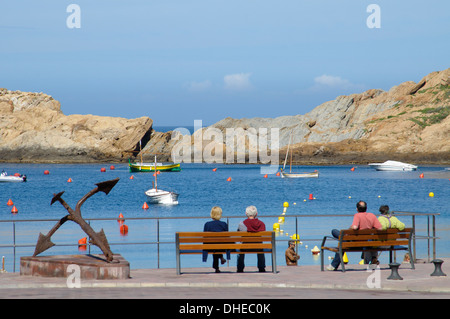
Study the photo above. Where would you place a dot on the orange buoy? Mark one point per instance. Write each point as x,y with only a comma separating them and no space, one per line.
69,180
311,197
112,167
421,175
121,219
278,174
14,210
145,206
265,176
352,169
229,179
10,202
214,169
132,177
102,169
82,246
123,229
46,172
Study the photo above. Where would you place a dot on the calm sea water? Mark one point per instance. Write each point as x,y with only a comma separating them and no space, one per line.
336,192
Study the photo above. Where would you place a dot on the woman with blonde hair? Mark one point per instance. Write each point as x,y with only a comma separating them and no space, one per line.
216,225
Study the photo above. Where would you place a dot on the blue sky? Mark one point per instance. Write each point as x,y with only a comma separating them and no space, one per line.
176,61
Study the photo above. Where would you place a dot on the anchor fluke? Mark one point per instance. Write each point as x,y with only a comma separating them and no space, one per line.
44,242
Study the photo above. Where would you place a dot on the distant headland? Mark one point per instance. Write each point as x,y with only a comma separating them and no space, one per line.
410,122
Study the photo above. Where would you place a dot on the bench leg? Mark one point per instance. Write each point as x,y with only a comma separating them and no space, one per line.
321,260
341,256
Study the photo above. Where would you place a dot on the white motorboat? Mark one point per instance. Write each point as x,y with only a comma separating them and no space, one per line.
393,166
159,196
17,178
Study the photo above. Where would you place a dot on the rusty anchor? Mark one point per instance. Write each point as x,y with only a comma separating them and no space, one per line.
96,238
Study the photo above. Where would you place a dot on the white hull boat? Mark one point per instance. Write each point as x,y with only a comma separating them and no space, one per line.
159,196
300,175
291,174
393,166
5,178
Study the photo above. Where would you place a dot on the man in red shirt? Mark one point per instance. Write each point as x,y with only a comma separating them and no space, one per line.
361,220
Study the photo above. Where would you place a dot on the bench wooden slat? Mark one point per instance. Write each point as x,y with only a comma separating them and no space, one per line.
371,240
225,239
226,246
225,242
219,234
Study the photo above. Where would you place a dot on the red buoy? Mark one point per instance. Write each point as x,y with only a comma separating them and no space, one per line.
311,197
102,169
229,179
10,202
46,172
123,229
145,206
14,210
112,167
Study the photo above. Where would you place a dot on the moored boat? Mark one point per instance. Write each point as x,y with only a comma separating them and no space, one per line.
299,175
17,178
150,167
159,196
393,166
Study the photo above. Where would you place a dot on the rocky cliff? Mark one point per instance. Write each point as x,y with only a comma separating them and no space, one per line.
409,122
34,129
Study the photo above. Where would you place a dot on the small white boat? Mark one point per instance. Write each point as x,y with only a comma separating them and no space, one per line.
5,178
299,175
393,166
295,174
159,196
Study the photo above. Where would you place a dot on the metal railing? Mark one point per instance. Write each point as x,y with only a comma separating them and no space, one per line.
430,230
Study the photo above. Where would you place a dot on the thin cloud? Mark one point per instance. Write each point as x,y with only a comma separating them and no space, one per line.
198,86
327,82
237,82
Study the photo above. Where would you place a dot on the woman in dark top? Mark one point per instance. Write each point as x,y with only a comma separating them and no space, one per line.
216,225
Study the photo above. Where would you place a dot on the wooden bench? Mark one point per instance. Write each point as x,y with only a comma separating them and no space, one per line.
223,242
370,240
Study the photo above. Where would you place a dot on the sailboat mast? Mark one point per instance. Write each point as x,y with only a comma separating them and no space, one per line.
156,184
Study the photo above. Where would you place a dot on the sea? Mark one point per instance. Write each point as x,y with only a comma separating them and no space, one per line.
149,242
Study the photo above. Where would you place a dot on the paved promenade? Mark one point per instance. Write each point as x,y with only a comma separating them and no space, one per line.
202,283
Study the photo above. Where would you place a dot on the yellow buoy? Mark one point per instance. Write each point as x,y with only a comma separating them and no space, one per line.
345,258
285,204
431,194
276,227
281,219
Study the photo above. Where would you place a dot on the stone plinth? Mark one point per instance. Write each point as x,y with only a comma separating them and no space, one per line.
91,266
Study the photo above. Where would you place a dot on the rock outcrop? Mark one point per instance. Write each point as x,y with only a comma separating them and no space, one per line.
34,129
409,122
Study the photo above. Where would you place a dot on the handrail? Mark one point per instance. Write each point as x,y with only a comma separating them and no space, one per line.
413,215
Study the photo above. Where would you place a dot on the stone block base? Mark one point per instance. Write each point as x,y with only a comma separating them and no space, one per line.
91,266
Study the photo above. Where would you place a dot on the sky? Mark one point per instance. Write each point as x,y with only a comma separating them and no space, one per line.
177,61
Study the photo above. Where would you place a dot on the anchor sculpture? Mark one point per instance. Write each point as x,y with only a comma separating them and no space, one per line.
96,238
